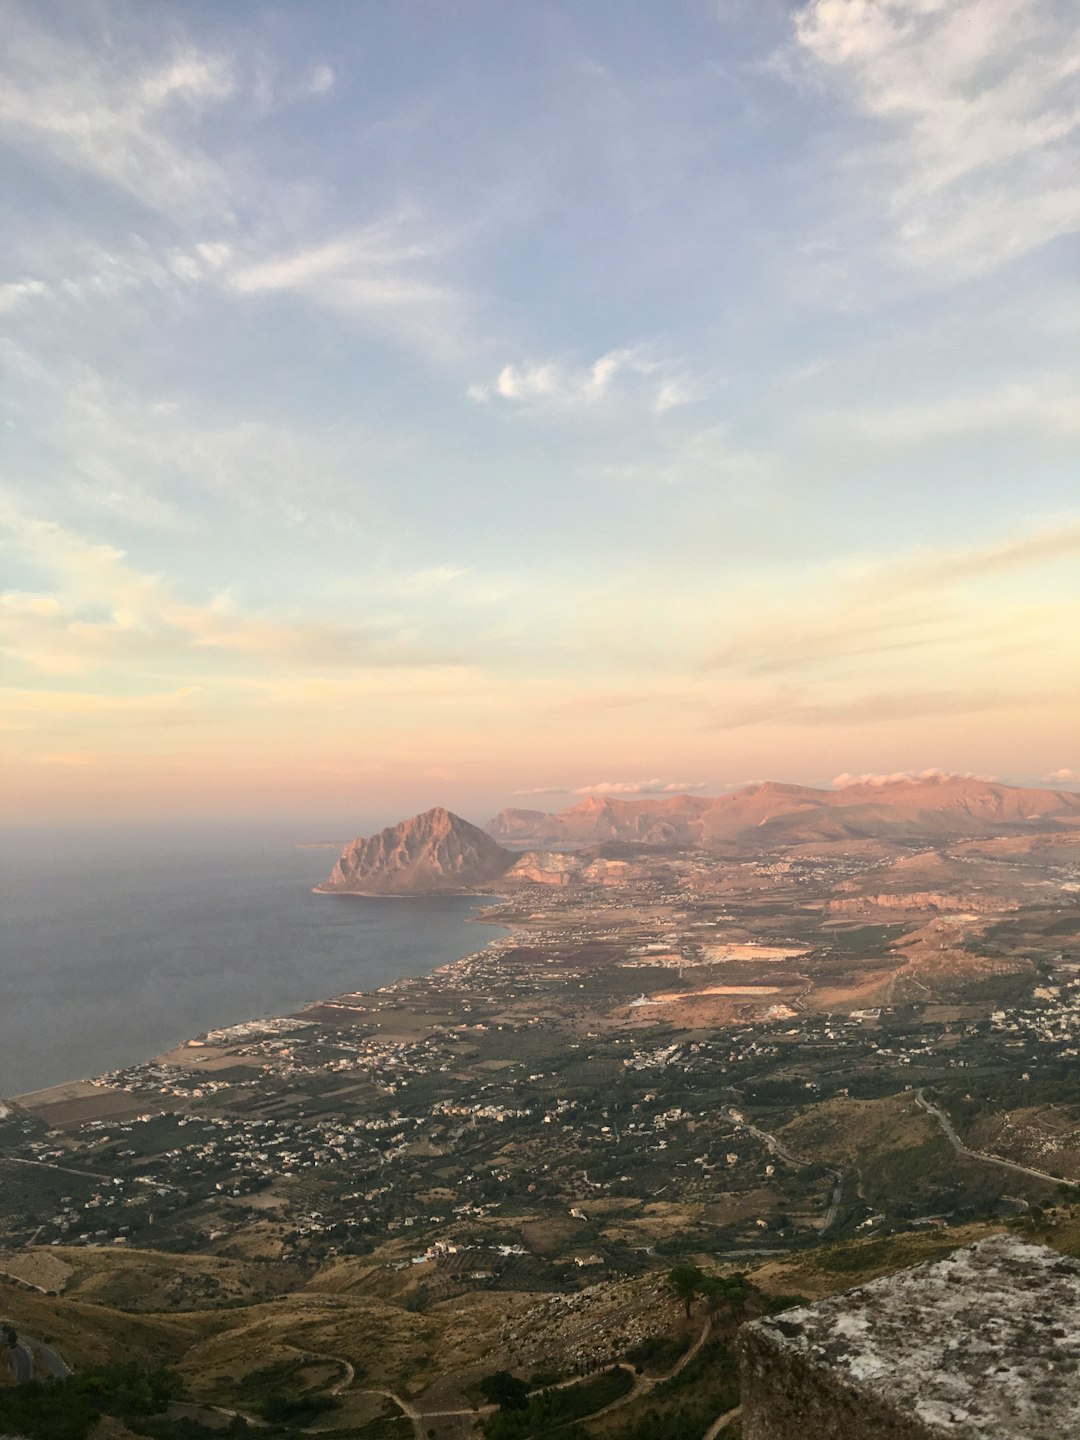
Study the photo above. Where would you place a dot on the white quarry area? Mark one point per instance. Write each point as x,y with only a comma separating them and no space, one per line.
981,1345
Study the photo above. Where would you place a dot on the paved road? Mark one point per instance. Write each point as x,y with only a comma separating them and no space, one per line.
48,1165
962,1149
89,1174
29,1352
22,1363
778,1148
834,1203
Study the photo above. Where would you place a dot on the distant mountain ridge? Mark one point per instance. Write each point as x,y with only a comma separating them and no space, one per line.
440,853
433,853
946,807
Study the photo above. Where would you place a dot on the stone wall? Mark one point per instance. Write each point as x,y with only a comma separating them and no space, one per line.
981,1345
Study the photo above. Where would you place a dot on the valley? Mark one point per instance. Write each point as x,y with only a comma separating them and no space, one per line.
804,1062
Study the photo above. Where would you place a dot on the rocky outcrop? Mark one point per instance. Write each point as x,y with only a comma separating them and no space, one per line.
934,900
980,1344
436,853
545,867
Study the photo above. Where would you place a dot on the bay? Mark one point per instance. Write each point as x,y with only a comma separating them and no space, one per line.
116,944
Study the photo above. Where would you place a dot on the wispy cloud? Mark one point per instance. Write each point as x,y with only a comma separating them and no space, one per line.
142,456
639,787
126,118
15,700
101,611
889,605
108,274
1046,408
977,159
617,788
709,458
955,567
797,708
383,273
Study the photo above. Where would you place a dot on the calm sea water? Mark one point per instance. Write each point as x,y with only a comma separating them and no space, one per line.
116,945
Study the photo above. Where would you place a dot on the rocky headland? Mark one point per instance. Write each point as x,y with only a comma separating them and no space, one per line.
436,853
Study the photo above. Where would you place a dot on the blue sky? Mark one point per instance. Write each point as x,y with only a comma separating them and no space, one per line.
425,402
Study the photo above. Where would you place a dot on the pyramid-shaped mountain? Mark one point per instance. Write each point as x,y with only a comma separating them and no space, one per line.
433,853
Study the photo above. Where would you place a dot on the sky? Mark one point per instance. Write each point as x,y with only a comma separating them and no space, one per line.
465,402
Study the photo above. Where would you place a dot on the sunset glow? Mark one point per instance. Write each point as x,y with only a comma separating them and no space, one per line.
641,400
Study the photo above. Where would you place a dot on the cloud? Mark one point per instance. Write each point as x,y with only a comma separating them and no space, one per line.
17,292
102,610
131,452
121,116
106,274
807,634
680,390
558,384
1063,777
381,272
949,567
1046,408
890,605
16,701
795,707
366,274
977,157
320,80
639,787
904,777
132,109
703,458
619,787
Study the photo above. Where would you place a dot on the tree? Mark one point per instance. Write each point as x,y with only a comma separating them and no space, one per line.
505,1390
725,1292
686,1280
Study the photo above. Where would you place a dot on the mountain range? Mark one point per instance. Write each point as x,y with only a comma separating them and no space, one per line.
945,807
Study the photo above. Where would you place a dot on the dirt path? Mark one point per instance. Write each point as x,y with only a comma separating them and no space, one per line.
641,1387
728,1418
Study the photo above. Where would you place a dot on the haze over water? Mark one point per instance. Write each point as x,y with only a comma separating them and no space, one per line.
118,944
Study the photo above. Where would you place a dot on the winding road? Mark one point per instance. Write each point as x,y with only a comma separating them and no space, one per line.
29,1354
643,1384
779,1149
962,1149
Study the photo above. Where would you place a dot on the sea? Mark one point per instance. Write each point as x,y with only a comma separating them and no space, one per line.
118,943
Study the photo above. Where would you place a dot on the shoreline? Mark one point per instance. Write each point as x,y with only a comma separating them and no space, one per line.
35,1097
400,895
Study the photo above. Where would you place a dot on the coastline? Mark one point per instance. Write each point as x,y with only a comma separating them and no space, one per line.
404,895
65,1090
